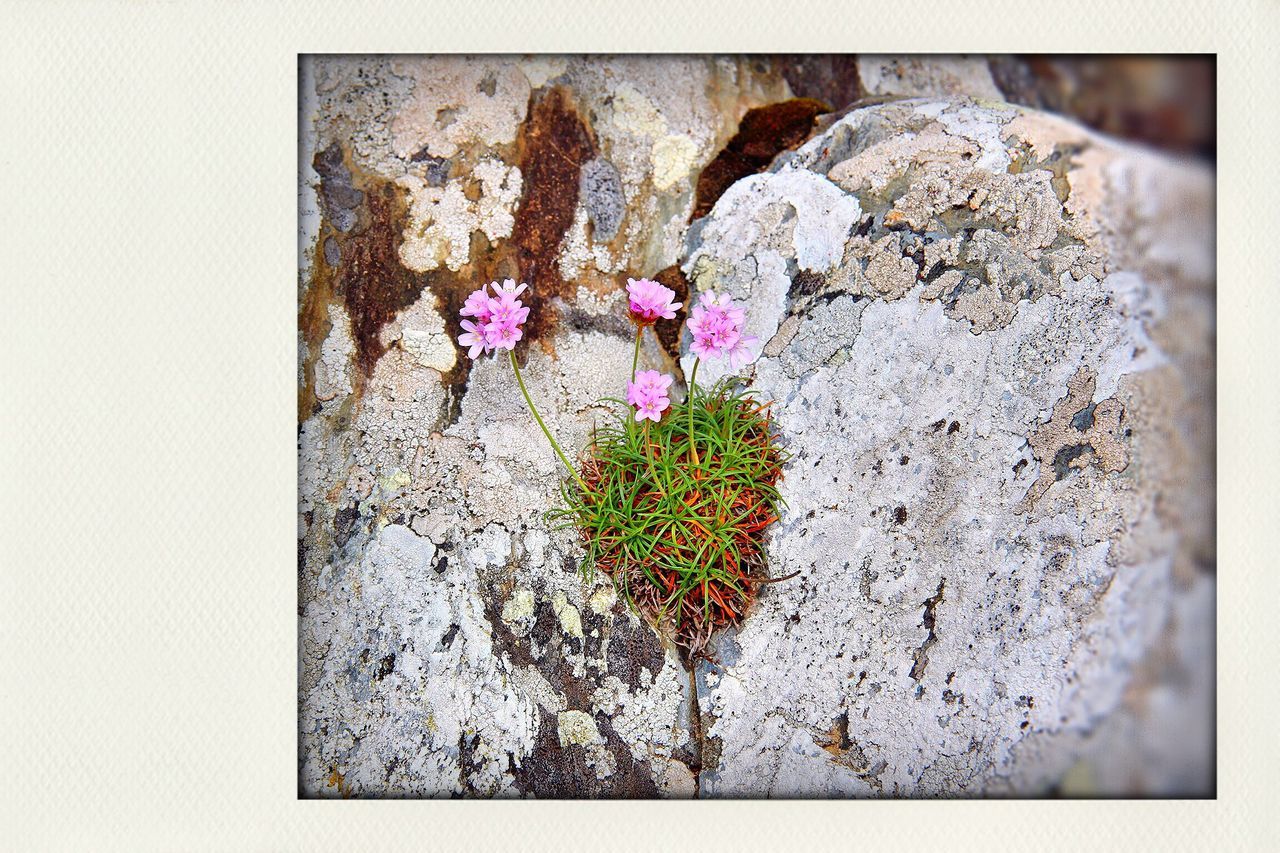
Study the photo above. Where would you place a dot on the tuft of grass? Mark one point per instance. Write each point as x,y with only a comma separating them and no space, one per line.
682,541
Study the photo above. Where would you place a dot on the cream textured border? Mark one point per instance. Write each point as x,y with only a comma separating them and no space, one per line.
147,594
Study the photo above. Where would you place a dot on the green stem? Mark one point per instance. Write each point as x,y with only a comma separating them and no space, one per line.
648,455
554,446
635,359
693,377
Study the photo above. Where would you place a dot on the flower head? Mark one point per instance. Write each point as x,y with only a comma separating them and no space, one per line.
648,393
648,302
716,324
498,318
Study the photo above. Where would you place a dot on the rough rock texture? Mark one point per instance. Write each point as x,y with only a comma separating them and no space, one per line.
447,644
989,335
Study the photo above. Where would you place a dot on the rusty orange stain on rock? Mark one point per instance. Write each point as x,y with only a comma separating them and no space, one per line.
553,146
668,331
374,285
762,134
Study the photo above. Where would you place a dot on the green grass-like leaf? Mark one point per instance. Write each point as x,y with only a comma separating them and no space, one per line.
681,541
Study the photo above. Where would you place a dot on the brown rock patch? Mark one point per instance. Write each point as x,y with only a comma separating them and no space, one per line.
762,134
1079,432
554,144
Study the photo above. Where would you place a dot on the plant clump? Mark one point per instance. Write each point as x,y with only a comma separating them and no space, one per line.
671,500
682,540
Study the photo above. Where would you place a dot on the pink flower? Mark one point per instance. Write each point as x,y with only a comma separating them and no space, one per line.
648,382
473,337
502,335
648,393
703,347
649,302
507,310
507,288
716,324
721,307
498,318
477,305
740,354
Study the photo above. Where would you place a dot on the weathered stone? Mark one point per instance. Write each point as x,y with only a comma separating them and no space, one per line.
1164,101
936,284
448,643
992,550
914,76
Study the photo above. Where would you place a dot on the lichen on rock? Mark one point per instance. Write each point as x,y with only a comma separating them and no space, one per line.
956,300
959,596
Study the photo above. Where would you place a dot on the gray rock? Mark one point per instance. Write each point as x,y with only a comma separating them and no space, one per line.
602,196
934,284
448,645
992,498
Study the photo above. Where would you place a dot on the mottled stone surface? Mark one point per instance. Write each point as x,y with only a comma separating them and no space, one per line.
448,646
988,332
997,497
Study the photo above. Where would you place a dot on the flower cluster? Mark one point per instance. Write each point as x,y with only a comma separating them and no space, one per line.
648,393
498,318
649,302
717,330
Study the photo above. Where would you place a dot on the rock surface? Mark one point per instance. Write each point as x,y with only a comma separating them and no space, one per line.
989,335
996,395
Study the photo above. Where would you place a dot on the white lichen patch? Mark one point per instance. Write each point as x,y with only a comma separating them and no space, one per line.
603,599
636,114
458,101
578,251
518,611
430,348
309,217
823,216
673,159
442,219
761,229
644,718
982,126
577,727
533,684
431,670
538,70
420,331
570,619
356,100
333,376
